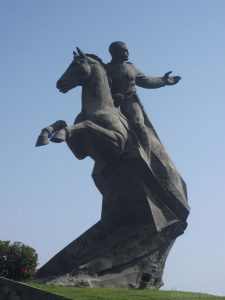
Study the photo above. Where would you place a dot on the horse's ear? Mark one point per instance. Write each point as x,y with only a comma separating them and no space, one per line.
81,53
75,53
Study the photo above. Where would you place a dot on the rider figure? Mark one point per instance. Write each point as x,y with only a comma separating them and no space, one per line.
124,76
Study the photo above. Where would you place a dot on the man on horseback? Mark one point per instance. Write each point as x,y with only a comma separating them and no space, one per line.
124,76
144,206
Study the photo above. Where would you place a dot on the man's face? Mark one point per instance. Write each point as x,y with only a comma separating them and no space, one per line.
122,53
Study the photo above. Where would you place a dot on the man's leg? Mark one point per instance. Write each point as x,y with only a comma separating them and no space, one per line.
135,115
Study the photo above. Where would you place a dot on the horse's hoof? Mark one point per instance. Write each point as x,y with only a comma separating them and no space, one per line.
42,140
59,136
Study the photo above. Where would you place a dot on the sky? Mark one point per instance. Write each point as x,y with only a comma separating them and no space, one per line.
47,197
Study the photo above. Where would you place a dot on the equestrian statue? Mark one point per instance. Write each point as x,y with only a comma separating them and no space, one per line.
144,198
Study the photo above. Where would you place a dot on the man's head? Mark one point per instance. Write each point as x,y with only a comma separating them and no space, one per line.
119,51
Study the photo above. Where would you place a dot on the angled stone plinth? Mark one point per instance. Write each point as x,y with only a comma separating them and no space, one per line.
139,223
13,290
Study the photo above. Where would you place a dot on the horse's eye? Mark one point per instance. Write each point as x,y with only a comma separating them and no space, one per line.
82,60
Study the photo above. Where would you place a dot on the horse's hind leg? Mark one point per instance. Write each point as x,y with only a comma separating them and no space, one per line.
46,133
105,139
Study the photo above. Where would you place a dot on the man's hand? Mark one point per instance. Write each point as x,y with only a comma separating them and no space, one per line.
118,99
170,80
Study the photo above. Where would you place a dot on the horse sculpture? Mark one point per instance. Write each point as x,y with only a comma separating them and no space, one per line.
144,204
99,119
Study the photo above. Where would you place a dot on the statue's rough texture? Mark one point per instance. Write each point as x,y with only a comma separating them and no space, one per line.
144,206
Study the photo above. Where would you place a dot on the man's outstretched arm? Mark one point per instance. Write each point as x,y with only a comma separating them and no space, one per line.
150,82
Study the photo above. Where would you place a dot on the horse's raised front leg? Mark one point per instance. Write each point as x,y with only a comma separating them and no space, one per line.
46,133
60,135
92,134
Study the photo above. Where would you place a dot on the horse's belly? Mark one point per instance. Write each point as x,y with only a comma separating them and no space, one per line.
109,120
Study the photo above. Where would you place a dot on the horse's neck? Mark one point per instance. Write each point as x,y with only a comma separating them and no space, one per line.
96,95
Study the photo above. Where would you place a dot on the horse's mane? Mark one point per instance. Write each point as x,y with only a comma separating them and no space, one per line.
96,58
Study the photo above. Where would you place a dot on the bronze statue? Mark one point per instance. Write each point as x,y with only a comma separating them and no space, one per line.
144,205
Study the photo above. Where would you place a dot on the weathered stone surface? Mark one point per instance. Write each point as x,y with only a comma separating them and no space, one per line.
134,236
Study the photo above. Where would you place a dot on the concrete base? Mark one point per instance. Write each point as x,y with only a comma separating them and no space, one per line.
13,290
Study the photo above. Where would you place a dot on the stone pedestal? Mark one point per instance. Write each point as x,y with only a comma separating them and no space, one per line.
128,247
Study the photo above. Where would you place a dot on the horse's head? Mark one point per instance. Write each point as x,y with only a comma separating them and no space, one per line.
78,71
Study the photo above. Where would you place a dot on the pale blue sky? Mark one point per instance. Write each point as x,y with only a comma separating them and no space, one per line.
47,196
